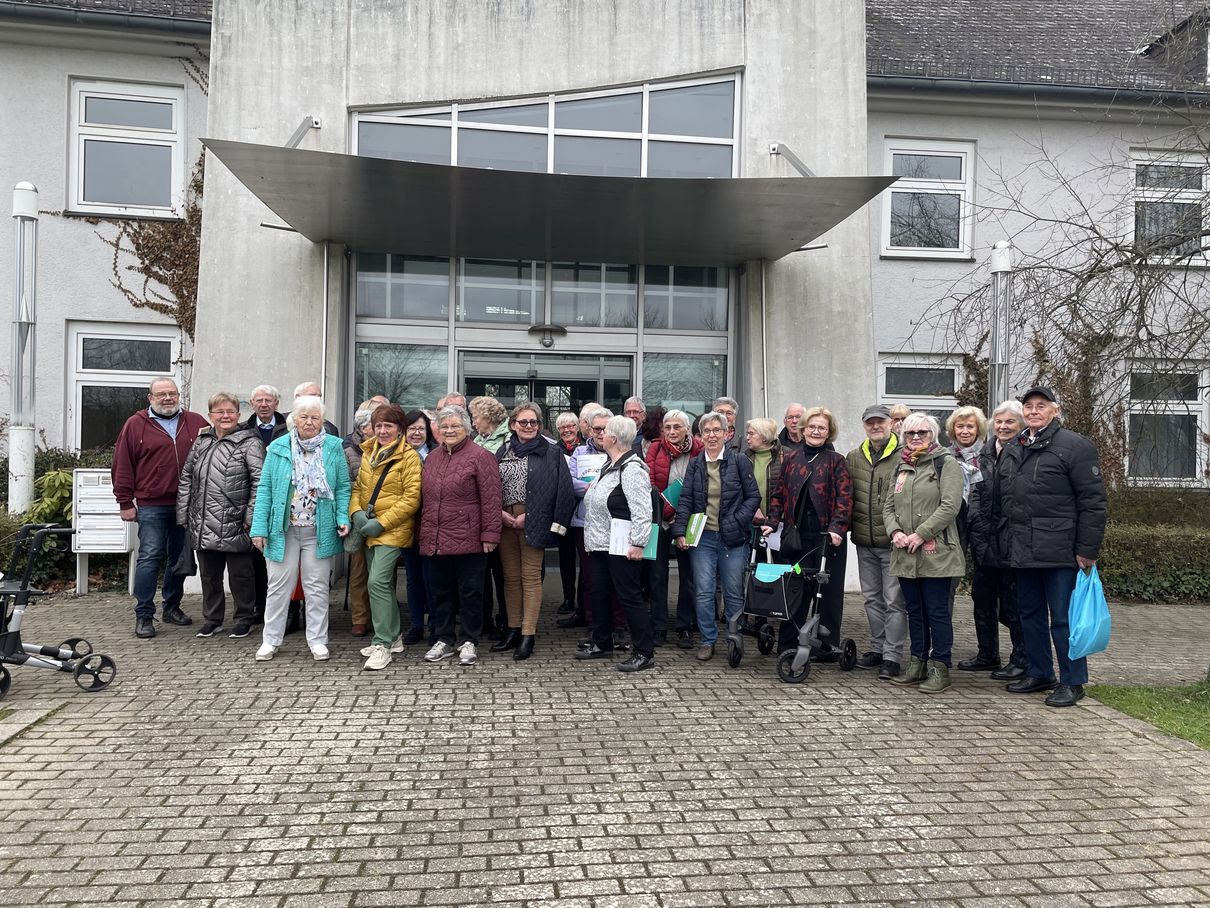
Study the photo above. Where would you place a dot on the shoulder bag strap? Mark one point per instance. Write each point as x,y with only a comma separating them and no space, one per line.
377,488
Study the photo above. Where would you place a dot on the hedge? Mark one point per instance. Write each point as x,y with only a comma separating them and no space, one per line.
1155,563
1161,507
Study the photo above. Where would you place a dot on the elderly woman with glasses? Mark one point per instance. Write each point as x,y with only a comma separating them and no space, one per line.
300,517
720,486
459,527
921,515
538,502
617,527
214,503
814,496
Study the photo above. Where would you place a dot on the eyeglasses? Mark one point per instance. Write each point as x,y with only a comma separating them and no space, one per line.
166,395
918,433
598,429
816,430
415,430
714,431
224,412
527,423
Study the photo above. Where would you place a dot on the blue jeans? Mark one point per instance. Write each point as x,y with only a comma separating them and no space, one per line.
715,563
1044,593
158,536
930,625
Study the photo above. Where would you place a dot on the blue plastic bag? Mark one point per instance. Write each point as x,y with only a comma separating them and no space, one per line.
1088,616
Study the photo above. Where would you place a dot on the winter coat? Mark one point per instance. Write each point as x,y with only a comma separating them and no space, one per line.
577,484
772,469
928,505
279,427
351,444
831,489
738,501
660,458
460,500
1048,500
872,483
271,514
147,461
786,442
218,490
549,498
495,440
980,528
622,490
398,500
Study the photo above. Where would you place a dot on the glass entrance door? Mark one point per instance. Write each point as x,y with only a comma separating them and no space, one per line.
558,383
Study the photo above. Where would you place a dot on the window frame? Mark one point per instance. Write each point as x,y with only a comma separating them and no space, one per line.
1142,195
924,402
964,189
1198,407
80,132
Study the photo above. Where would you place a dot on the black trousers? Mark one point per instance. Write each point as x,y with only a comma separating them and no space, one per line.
831,604
493,576
659,575
456,585
239,567
994,591
260,574
568,556
618,575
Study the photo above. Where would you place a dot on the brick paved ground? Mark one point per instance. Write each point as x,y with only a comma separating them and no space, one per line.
204,778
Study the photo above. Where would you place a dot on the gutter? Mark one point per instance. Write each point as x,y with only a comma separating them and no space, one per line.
31,14
1101,94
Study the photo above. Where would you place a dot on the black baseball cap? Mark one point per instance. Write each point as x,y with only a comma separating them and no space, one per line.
1044,390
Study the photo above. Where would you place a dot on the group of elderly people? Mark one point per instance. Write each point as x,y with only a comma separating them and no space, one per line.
471,500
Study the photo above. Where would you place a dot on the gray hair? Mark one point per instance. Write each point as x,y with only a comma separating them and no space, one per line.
727,401
588,408
567,419
308,403
679,416
598,413
1010,406
268,389
623,430
918,419
634,399
298,391
459,413
713,416
361,419
445,398
160,379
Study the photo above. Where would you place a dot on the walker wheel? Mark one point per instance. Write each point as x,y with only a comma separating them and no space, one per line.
79,647
735,655
785,668
766,640
95,672
6,681
848,655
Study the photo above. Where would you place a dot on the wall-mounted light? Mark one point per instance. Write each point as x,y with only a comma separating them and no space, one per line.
548,333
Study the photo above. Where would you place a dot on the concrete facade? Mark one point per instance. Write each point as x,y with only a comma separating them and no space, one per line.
267,73
37,66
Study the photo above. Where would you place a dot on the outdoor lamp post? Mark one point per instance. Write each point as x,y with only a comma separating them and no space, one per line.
25,292
1002,303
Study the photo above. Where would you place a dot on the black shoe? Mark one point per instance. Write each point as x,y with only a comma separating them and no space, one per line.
660,637
144,627
621,642
241,629
525,648
575,619
637,663
209,629
584,644
684,639
979,664
1010,672
890,669
869,660
177,617
1030,685
1066,695
594,652
509,640
293,617
414,635
568,606
825,655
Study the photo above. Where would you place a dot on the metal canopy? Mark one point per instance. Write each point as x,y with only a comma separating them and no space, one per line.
380,205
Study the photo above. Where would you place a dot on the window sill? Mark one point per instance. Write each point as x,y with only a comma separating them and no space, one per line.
149,215
924,257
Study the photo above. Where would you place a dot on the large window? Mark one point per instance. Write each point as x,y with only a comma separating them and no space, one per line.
1166,407
126,153
927,212
683,381
410,375
402,287
112,366
1169,208
925,382
682,130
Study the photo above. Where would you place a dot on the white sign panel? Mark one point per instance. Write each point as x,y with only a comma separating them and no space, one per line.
95,515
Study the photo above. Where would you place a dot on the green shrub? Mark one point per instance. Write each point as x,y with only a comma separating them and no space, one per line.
1155,563
48,459
1161,507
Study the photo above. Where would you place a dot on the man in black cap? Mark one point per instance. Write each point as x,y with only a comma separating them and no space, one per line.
872,466
1049,506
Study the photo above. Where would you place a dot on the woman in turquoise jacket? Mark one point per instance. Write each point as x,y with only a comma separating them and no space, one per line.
301,515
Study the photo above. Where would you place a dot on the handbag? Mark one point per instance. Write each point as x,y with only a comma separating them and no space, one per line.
1088,619
355,539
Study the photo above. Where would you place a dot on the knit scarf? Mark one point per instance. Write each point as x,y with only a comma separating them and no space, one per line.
309,476
910,456
385,452
675,451
525,448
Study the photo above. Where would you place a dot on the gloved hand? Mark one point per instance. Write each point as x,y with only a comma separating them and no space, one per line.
371,528
358,518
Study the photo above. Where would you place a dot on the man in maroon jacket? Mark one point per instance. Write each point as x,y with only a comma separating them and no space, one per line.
147,462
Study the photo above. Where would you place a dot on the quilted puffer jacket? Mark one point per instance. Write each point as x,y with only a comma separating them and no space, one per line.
218,490
399,498
460,500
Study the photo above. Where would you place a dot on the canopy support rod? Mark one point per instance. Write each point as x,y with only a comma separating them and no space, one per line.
795,161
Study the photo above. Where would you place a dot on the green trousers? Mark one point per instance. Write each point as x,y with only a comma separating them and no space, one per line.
384,607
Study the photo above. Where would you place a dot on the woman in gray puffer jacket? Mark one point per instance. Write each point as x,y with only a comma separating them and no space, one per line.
214,503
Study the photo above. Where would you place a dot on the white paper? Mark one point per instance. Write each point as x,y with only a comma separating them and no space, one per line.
773,540
619,536
590,466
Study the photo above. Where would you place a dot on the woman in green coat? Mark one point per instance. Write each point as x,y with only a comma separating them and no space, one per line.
921,515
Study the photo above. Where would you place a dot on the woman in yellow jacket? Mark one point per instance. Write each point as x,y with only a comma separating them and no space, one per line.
387,521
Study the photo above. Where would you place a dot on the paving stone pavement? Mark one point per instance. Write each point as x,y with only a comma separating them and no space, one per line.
204,778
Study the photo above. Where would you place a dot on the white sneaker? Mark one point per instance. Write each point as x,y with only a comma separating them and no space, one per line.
440,650
320,653
396,647
380,658
466,654
266,652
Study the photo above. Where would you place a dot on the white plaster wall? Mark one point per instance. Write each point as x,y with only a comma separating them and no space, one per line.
74,265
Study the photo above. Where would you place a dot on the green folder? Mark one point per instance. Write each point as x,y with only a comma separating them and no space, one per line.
672,494
694,529
652,543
